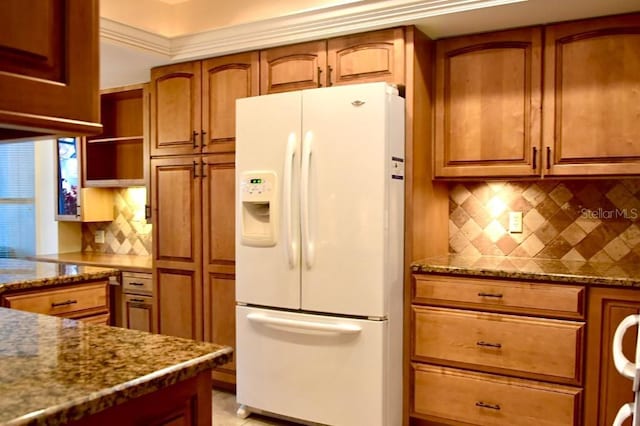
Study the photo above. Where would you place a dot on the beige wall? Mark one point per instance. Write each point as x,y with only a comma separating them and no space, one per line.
192,16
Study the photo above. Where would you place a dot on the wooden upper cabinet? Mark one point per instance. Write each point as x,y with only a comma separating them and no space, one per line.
193,104
293,67
368,57
49,68
226,79
360,58
488,98
592,97
175,109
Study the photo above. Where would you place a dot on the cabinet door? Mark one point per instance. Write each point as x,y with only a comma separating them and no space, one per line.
592,97
49,67
218,192
177,242
488,93
294,67
75,203
605,389
137,312
179,300
226,79
176,124
176,205
374,56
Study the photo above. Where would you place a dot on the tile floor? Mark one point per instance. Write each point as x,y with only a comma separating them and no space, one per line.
224,413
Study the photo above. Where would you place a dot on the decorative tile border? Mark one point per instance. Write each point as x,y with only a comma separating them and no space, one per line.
129,233
569,220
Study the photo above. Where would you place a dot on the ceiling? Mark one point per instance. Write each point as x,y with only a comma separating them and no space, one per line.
136,36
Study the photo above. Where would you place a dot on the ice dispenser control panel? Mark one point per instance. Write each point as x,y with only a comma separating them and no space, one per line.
258,196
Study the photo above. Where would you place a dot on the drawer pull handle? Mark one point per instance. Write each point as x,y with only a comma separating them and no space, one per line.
485,405
495,295
65,303
137,300
488,344
134,283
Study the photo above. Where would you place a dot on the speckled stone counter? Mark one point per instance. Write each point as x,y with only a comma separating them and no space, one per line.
54,370
559,271
18,274
123,262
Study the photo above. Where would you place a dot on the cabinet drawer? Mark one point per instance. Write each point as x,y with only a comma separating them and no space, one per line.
530,347
456,396
70,301
505,296
137,282
137,312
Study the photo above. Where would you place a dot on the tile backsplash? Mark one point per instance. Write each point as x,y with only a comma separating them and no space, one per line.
129,233
596,220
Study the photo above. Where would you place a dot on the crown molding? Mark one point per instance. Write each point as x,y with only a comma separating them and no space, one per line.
135,37
294,28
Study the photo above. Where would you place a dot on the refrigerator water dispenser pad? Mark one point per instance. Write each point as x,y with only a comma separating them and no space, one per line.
258,192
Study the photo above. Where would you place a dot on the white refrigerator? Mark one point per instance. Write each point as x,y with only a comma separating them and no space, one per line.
319,254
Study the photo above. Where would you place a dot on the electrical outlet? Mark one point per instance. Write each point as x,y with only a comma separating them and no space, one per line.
98,237
515,222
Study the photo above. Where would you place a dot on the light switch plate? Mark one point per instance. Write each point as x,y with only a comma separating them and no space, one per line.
515,222
98,237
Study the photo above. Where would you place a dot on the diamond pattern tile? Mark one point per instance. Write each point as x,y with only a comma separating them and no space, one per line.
129,233
597,220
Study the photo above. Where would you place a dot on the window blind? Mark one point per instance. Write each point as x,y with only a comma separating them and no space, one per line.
17,216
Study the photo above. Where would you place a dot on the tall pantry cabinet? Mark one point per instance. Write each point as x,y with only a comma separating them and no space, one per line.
193,196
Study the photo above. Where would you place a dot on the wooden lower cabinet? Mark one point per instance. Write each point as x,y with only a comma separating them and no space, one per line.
605,389
179,298
87,301
186,403
453,396
472,365
138,312
194,249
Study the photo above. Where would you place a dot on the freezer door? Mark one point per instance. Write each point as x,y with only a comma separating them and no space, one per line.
350,229
268,148
322,369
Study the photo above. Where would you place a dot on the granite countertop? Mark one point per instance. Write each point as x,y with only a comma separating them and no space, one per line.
124,262
55,370
559,271
19,274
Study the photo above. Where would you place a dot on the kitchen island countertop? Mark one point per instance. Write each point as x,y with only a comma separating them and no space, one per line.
549,270
56,370
19,274
126,262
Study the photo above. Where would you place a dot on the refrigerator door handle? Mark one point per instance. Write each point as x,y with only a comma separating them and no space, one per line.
288,188
623,365
308,249
304,325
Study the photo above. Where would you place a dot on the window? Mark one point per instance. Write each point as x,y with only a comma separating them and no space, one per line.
17,189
